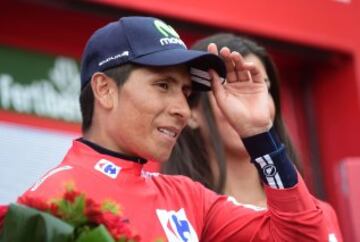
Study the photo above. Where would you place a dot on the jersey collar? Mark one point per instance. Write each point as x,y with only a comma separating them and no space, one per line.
105,151
109,165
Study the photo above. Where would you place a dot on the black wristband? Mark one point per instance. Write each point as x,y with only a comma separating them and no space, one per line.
271,160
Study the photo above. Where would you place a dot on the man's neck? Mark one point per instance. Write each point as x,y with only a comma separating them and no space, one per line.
100,149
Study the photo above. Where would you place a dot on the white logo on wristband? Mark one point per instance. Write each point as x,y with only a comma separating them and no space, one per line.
270,172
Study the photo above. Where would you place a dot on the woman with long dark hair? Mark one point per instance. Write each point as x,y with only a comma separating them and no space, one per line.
209,149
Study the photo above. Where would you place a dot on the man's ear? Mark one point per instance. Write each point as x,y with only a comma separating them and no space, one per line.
104,89
193,121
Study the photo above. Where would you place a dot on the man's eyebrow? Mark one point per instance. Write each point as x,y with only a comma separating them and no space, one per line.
170,78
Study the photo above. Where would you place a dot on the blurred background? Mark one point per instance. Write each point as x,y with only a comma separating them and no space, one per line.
315,44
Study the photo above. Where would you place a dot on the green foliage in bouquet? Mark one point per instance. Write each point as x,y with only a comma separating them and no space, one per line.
73,218
24,224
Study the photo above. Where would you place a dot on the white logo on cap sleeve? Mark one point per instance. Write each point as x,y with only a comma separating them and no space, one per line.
114,57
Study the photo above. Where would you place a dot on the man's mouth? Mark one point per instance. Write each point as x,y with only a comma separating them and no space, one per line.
171,132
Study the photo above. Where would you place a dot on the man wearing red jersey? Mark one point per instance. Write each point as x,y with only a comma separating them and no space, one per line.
137,78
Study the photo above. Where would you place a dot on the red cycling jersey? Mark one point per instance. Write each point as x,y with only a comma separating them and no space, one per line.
331,221
174,208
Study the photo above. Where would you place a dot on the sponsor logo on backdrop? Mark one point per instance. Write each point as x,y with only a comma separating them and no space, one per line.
55,96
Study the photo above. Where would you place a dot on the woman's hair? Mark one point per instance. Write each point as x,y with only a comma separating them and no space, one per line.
190,157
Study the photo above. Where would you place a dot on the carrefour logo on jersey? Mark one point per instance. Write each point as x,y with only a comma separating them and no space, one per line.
107,168
176,226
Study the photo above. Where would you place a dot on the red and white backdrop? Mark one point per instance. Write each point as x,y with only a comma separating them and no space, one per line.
316,45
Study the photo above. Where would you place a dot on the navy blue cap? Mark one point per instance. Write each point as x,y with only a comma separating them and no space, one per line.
147,41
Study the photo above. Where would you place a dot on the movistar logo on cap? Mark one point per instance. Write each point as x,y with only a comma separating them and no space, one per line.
169,33
165,29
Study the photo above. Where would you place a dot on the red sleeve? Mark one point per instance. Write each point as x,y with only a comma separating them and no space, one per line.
52,184
331,221
292,215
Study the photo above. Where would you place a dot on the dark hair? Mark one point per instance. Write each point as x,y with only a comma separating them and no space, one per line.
180,163
119,74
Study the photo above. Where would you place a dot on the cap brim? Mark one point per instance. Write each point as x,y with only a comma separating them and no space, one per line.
199,62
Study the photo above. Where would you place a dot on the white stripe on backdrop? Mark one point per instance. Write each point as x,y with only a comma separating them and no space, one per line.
26,153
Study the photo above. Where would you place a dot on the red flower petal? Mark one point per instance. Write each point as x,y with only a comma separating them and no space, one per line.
3,211
115,224
70,195
34,203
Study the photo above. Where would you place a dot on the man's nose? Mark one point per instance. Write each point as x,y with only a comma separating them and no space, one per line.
180,107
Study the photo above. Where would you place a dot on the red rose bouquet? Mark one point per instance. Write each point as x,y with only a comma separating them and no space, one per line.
72,218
